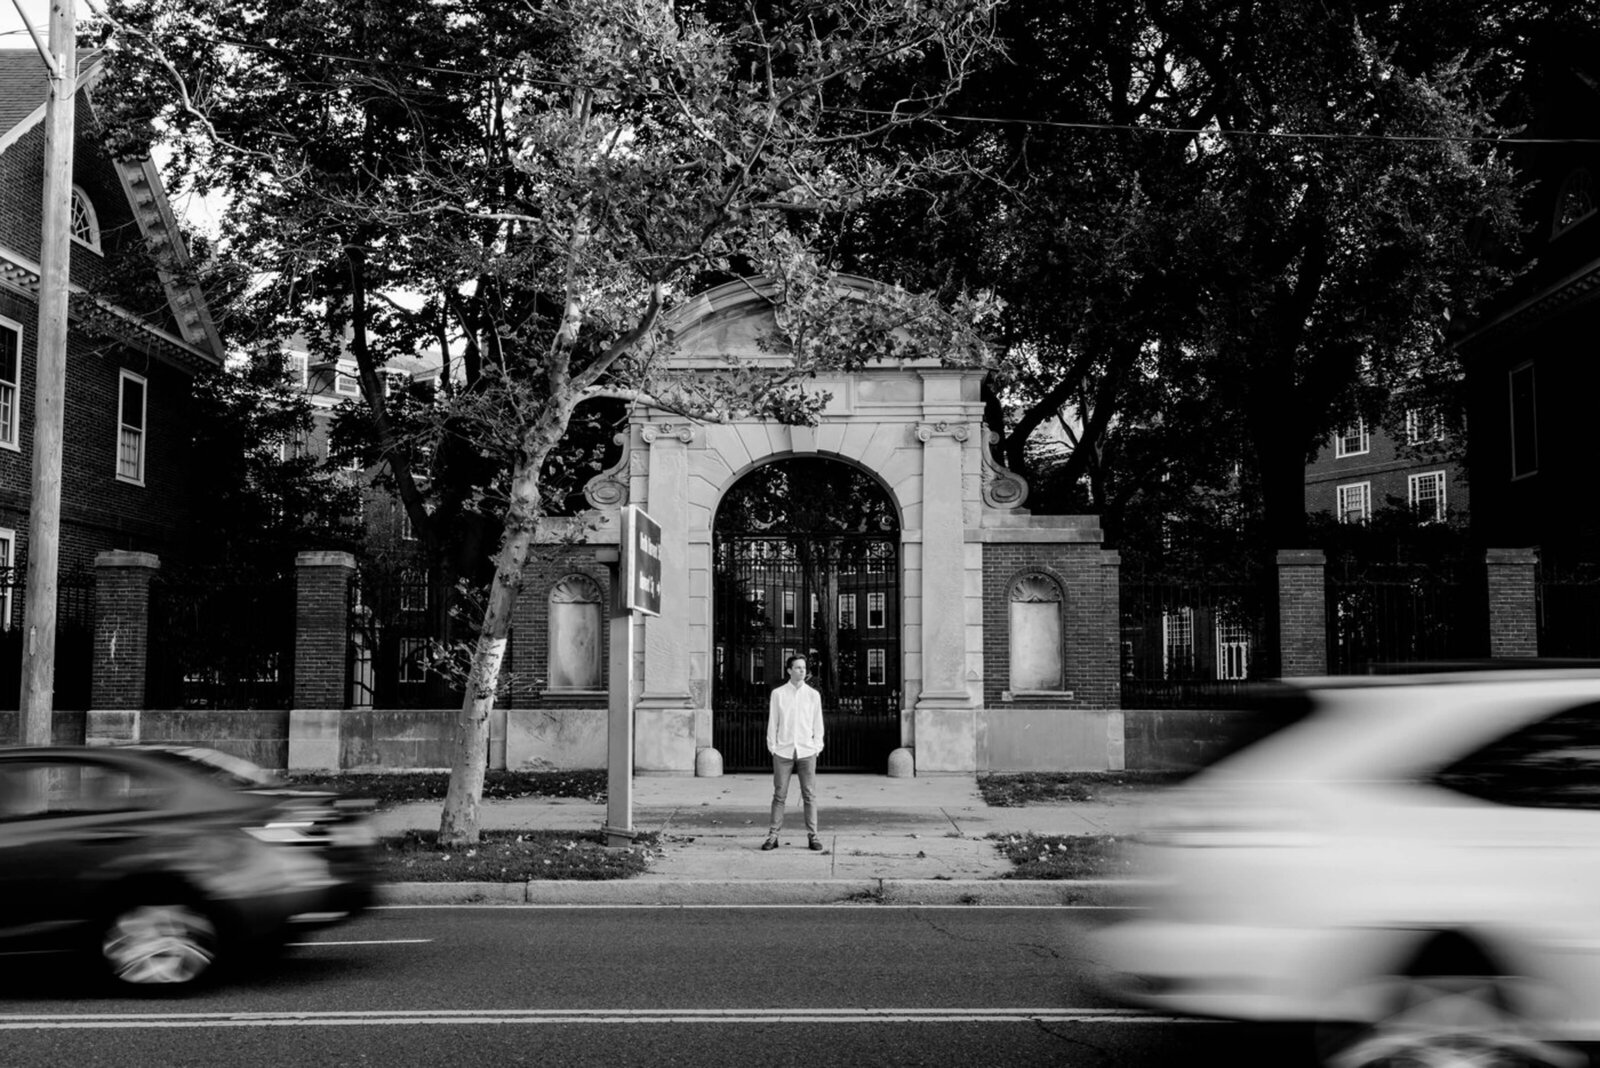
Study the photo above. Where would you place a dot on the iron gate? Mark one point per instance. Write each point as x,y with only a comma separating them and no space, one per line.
833,598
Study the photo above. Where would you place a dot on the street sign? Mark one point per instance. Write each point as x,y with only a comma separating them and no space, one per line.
641,562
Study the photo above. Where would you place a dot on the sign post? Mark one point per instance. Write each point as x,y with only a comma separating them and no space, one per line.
635,590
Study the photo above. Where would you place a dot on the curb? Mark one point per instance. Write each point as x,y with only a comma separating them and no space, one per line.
695,892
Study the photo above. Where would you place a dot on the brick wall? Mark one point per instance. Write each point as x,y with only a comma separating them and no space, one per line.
121,629
1513,622
1087,575
322,629
1302,612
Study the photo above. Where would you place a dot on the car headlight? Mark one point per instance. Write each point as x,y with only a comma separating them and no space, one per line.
286,831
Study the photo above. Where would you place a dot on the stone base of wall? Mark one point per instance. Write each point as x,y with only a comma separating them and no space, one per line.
1178,739
66,728
555,739
1014,739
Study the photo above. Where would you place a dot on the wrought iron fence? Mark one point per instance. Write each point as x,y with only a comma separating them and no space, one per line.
1195,644
397,652
221,638
1380,614
74,637
1568,598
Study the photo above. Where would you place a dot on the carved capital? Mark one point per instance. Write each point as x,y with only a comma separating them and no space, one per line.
928,431
650,432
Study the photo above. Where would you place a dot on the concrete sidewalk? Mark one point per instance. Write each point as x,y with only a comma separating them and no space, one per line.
925,839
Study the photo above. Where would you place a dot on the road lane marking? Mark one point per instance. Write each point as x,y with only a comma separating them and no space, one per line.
834,906
457,1017
367,942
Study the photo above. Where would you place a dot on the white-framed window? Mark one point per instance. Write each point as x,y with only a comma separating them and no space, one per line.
758,601
10,374
8,557
297,368
816,619
1575,201
876,603
1177,643
407,532
1524,422
1427,496
85,224
414,658
1423,425
847,611
790,608
1353,440
295,446
413,590
1233,651
1355,502
349,385
132,402
758,665
875,667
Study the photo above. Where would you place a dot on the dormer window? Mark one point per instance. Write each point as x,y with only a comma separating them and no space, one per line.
1575,201
85,224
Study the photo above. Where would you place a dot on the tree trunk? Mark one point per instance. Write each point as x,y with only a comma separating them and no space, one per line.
458,824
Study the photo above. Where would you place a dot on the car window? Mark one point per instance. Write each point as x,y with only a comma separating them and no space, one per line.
42,789
224,769
1554,763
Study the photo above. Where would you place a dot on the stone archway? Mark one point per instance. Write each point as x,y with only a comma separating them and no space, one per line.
806,560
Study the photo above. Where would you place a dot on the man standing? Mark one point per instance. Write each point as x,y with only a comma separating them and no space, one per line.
794,737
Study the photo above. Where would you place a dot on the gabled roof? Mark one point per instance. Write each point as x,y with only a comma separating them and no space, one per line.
23,89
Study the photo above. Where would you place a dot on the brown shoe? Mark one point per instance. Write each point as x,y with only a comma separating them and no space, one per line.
816,843
771,842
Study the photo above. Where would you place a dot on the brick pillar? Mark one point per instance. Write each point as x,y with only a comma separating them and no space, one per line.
1302,612
1513,622
121,645
322,628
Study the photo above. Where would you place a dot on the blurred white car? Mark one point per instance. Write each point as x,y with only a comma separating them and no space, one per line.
1412,864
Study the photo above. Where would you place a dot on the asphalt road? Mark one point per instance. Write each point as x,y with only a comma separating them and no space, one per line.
771,986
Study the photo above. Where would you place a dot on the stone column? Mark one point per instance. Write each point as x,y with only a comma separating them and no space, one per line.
1513,618
321,657
121,645
664,730
945,725
1302,612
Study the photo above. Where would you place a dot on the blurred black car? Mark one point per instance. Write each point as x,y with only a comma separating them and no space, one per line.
159,862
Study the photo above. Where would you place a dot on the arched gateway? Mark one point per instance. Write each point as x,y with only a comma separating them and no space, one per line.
892,498
806,561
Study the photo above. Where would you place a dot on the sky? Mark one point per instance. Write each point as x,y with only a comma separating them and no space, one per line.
12,34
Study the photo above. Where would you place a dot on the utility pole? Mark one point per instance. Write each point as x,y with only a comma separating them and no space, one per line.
50,377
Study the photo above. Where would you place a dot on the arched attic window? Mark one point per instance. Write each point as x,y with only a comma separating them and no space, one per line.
85,223
1575,202
1037,657
575,623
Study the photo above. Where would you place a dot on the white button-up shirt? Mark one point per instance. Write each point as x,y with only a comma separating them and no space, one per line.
794,722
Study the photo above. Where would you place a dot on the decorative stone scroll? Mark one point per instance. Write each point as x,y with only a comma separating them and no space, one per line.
1002,489
609,489
926,432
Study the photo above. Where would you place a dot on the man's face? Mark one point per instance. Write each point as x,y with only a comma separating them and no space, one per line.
797,672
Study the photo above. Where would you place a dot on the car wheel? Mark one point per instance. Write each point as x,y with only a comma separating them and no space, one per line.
1441,1021
158,943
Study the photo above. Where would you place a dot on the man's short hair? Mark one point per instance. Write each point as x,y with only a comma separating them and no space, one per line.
789,663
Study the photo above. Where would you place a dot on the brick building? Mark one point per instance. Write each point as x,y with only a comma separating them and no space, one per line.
1531,372
1363,468
136,339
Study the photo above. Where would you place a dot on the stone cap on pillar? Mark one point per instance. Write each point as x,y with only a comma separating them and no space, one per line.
1511,556
127,558
1302,558
325,558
